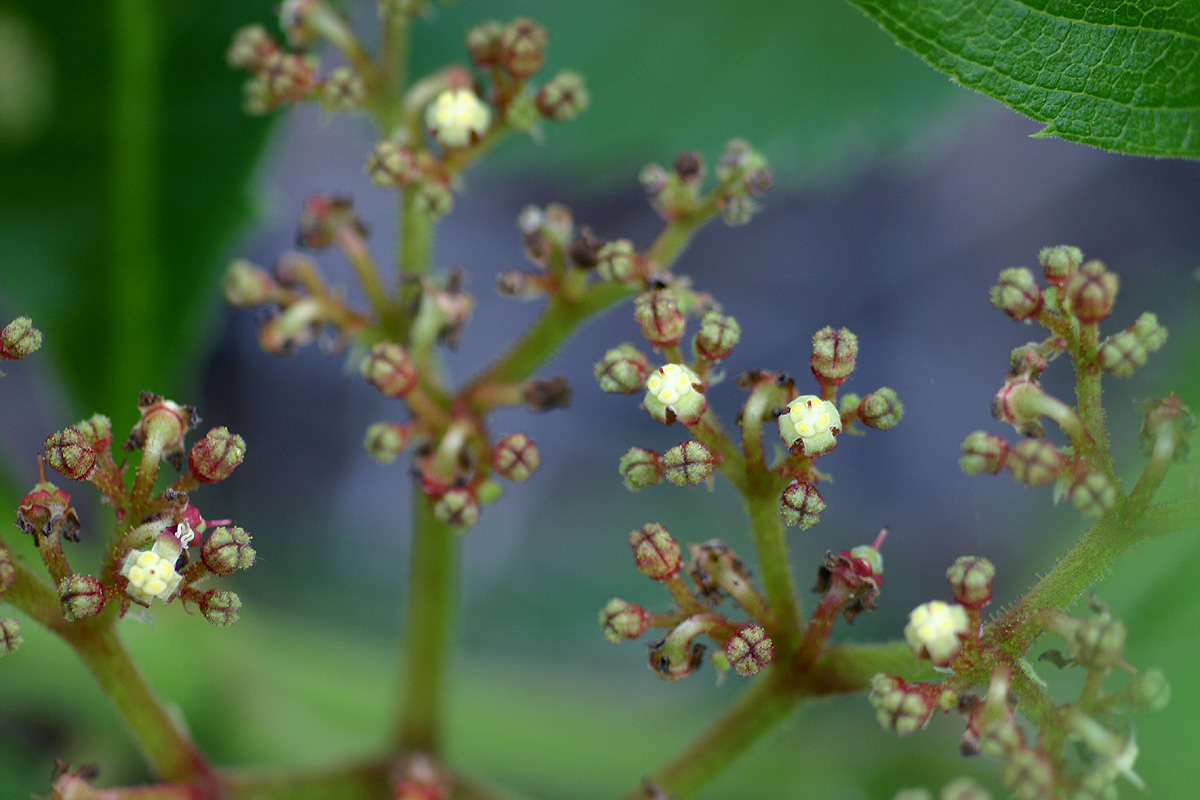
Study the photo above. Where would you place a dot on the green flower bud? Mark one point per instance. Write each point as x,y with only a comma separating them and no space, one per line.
217,455
523,47
392,164
881,409
8,570
344,90
964,789
522,113
10,635
623,370
848,403
749,649
1167,417
433,199
1149,332
1149,689
801,505
220,607
564,97
250,47
483,43
834,355
19,338
1122,354
655,551
1035,462
640,468
673,392
982,452
227,550
246,284
622,620
1029,775
653,178
1016,293
488,492
458,508
688,464
1059,262
1099,641
618,261
71,453
718,335
516,457
1092,493
385,441
971,580
659,316
82,596
389,369
97,429
1092,292
899,707
737,209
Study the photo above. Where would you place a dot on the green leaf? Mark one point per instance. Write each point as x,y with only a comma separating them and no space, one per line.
1119,76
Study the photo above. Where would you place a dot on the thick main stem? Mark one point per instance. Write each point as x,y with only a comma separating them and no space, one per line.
431,594
766,528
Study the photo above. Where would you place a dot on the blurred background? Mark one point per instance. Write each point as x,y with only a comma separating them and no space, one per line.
131,177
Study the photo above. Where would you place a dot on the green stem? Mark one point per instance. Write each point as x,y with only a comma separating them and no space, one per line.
365,780
32,595
1168,518
766,528
1085,352
431,593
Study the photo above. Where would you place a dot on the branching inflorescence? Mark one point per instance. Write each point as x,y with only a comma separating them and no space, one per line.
430,130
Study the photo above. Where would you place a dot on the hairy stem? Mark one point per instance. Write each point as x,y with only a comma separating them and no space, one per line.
1085,354
431,589
766,528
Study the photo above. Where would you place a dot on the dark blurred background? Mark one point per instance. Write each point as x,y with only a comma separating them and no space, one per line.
900,197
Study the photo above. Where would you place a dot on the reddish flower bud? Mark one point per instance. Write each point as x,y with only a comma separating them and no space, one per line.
10,635
1035,462
659,316
227,550
971,580
689,167
655,551
801,505
71,453
718,335
392,164
250,48
458,508
19,338
622,370
47,510
483,43
1092,493
82,596
982,452
563,98
688,464
523,47
881,409
622,620
1092,292
749,649
1017,293
640,468
900,706
220,607
386,440
321,217
1059,262
834,355
217,455
516,457
390,370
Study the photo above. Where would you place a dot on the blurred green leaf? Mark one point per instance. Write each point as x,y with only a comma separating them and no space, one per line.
1120,76
119,207
807,82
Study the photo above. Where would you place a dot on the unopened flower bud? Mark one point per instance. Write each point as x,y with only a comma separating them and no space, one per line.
250,48
834,354
737,209
1167,418
622,620
971,580
1099,641
516,457
19,338
522,113
483,43
1126,352
935,631
1029,775
295,22
982,452
801,505
689,167
1149,689
655,551
623,370
392,164
97,429
563,98
217,455
458,508
1035,462
10,635
246,284
433,199
343,90
227,550
220,607
653,179
82,596
688,464
8,570
389,369
1016,293
1092,292
899,706
659,316
673,392
1059,262
618,261
283,78
848,403
811,423
546,394
385,441
584,250
1092,493
1149,331
523,47
69,452
718,335
964,789
457,118
640,468
558,224
881,409
749,649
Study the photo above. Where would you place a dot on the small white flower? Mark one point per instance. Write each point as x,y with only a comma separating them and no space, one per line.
671,393
934,629
813,422
151,573
457,117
